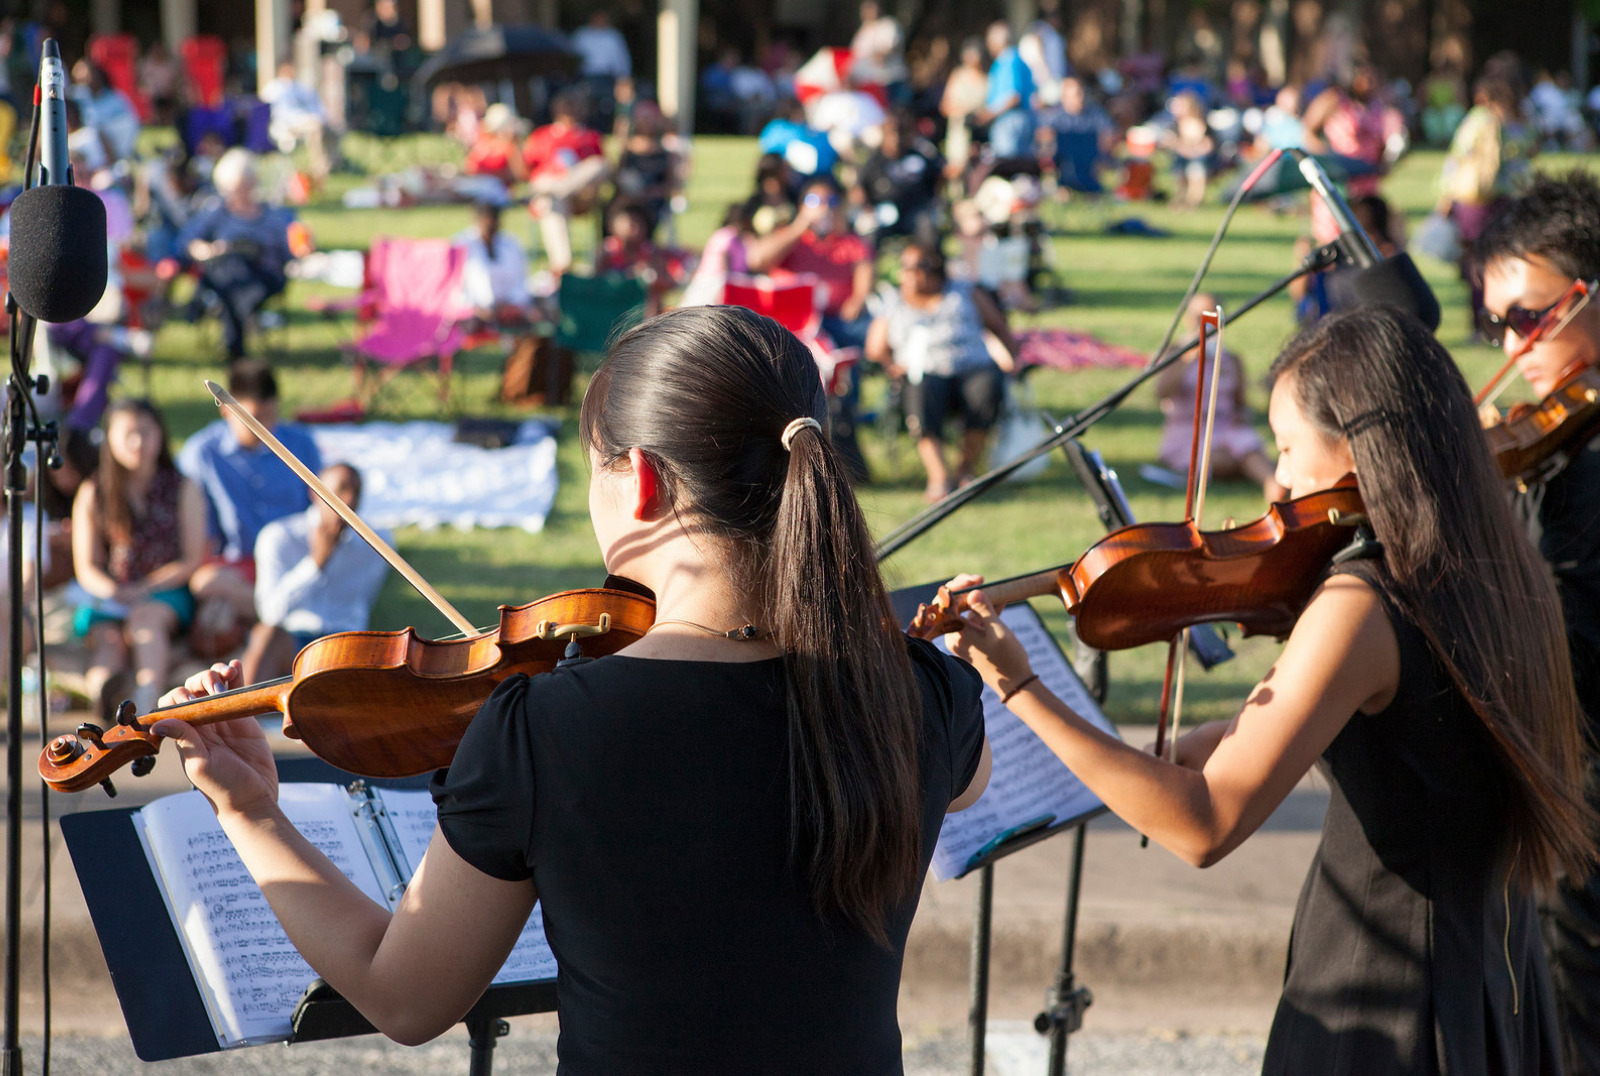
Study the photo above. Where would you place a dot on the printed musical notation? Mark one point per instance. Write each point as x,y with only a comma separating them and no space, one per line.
239,951
1027,781
414,818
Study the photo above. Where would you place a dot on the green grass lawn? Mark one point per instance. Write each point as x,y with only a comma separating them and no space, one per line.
1125,290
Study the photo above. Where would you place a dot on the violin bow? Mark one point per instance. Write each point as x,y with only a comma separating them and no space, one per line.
1584,291
1205,418
226,401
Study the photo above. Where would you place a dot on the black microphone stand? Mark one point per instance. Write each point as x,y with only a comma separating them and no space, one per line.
21,426
1324,257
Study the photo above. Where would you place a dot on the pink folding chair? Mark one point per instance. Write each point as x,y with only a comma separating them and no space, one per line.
796,305
415,311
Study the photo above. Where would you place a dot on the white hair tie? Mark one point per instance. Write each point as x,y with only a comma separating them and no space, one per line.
787,437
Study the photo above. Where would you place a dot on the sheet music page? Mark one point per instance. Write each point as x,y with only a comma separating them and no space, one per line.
414,817
1028,780
244,962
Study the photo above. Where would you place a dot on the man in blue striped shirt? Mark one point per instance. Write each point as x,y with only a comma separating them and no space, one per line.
246,487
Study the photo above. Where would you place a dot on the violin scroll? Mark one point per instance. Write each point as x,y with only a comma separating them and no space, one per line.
89,756
940,618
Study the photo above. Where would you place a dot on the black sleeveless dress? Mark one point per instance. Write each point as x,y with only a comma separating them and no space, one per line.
1410,954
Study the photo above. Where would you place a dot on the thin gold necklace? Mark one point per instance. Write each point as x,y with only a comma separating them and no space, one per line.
748,633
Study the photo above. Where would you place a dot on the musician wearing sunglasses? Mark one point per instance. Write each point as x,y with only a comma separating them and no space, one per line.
1535,258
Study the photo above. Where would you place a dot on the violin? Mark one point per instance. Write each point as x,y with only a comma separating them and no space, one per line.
1158,581
1533,442
375,703
1147,582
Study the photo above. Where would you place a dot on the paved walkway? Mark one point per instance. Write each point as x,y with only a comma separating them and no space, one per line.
1168,950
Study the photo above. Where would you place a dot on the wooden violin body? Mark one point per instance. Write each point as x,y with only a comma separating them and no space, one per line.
1147,582
1533,442
377,703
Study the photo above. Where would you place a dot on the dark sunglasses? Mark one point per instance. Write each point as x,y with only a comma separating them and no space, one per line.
1526,323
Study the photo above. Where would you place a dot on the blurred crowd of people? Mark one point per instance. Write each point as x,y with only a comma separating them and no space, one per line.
941,160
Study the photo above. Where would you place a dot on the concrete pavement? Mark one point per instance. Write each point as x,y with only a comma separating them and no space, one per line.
1165,948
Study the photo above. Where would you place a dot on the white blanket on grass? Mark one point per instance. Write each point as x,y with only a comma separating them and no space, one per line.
413,473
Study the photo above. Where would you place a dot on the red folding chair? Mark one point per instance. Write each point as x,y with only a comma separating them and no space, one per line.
118,56
205,63
796,304
415,310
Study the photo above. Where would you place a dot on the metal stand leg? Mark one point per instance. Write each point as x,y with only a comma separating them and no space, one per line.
481,1035
1065,1003
978,1012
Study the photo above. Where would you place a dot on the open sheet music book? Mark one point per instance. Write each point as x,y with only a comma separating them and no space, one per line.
249,974
1028,782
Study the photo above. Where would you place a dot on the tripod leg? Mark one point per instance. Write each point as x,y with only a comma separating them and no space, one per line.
978,1012
482,1031
1066,1001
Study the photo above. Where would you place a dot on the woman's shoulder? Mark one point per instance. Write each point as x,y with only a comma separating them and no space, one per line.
947,683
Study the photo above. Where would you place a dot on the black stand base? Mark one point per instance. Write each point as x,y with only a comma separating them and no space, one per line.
481,1035
1065,1002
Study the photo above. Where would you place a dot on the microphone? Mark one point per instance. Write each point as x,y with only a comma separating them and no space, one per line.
1374,278
54,167
57,258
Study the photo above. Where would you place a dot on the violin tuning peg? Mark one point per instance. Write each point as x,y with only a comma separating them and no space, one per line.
111,789
127,712
93,733
142,766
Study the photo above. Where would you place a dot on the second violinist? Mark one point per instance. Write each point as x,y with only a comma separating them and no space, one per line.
1431,682
1529,255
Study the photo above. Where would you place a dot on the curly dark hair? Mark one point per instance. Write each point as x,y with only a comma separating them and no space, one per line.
1558,219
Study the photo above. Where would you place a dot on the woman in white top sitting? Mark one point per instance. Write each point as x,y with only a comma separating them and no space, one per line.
932,334
494,282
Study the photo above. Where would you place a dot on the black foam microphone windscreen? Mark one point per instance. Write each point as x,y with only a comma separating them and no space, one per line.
57,259
1398,282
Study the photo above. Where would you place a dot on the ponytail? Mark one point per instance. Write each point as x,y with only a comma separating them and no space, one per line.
854,795
717,397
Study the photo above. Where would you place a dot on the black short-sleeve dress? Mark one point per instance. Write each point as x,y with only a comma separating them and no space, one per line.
1410,953
649,803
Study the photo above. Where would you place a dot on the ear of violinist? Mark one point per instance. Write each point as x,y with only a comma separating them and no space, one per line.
1431,681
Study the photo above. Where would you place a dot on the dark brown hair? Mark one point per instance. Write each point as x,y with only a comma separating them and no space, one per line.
1457,564
111,479
706,393
252,379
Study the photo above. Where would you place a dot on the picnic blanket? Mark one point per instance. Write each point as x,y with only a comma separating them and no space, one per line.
1065,349
414,473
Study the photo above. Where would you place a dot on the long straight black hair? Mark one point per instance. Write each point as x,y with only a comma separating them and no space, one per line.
706,393
1456,562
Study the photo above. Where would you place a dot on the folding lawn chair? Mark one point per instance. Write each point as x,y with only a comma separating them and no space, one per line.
415,311
594,307
793,304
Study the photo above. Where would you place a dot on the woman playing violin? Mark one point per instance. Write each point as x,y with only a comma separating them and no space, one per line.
1433,685
1529,255
727,822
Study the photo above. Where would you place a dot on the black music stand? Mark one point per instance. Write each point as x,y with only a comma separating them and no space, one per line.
1065,1001
160,1001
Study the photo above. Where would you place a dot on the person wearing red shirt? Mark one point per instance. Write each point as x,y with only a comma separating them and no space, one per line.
494,151
566,169
819,242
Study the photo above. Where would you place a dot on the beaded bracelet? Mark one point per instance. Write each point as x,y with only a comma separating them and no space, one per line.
1008,696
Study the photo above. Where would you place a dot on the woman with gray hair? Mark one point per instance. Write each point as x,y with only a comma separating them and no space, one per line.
239,243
